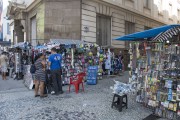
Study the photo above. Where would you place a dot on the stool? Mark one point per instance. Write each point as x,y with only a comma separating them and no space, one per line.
119,103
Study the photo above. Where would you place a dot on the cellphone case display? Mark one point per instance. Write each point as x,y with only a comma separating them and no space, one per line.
157,71
70,70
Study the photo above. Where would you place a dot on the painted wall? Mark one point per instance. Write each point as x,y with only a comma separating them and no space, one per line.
62,19
40,21
39,13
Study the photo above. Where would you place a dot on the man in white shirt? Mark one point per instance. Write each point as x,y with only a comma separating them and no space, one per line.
3,65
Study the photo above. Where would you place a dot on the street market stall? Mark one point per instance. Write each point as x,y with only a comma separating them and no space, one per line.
155,68
77,56
20,58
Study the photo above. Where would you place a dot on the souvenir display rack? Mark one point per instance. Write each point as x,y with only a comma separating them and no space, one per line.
76,59
155,66
70,70
169,81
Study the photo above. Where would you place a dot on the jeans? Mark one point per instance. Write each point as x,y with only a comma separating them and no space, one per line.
10,71
56,79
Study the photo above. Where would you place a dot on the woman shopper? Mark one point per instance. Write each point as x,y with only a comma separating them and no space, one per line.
40,76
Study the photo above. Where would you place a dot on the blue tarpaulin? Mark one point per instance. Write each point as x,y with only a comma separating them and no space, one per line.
159,33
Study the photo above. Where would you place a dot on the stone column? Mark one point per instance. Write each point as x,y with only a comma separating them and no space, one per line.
18,29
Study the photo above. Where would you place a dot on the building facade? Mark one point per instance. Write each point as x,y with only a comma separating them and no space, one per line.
122,17
96,21
6,28
1,27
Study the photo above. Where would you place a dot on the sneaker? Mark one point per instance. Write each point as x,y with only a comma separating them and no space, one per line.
36,95
61,92
43,96
52,92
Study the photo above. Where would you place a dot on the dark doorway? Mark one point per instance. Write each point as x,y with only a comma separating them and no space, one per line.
33,31
103,27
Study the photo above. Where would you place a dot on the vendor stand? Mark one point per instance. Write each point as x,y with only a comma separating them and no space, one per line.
79,55
74,57
20,55
114,60
156,70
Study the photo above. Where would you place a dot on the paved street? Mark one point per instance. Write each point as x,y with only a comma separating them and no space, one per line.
10,84
93,104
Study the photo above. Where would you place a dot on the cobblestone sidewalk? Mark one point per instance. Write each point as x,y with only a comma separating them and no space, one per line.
93,104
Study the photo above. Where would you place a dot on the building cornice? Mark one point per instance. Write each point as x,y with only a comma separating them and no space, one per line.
14,8
32,5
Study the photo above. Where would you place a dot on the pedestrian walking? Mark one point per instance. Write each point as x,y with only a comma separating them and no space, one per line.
40,75
3,65
11,65
55,67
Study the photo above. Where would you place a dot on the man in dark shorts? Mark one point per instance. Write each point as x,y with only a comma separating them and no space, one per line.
55,67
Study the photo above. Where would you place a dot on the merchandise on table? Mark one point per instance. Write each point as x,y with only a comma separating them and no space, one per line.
120,88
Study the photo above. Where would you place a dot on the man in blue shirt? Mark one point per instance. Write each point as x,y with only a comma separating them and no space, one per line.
55,67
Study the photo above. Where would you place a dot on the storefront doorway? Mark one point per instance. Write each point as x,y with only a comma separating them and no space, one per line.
103,27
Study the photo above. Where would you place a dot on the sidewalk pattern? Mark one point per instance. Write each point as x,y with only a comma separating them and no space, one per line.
93,104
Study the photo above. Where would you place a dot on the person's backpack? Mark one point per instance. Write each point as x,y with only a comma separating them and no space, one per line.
33,69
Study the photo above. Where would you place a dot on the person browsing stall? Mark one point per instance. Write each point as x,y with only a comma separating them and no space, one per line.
40,76
3,65
55,68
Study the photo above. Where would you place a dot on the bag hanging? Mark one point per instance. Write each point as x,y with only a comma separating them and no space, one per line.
33,69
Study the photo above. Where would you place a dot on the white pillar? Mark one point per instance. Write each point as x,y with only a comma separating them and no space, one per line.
24,36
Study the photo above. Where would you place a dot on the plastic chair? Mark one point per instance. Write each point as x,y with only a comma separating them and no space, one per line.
76,81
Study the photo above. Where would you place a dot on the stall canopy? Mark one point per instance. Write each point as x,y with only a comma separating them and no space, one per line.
5,43
66,41
158,34
20,45
41,47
